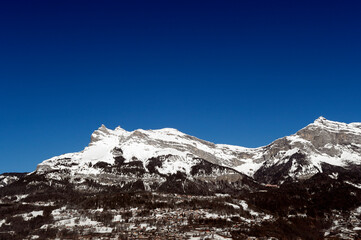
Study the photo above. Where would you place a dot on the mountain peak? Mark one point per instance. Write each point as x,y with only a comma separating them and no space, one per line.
169,131
118,128
103,128
335,126
323,122
321,119
99,133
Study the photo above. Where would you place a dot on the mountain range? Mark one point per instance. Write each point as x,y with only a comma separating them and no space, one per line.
319,162
154,154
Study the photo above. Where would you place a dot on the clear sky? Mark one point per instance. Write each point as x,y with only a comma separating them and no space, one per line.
235,72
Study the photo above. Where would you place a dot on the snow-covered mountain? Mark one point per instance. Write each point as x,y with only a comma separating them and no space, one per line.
141,145
310,179
307,152
164,159
120,157
298,156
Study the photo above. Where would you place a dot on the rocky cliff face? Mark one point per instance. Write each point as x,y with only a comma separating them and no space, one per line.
304,154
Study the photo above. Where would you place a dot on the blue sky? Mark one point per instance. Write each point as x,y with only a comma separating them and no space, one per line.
235,72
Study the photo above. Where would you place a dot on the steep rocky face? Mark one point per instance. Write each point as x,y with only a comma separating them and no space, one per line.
304,154
332,138
165,173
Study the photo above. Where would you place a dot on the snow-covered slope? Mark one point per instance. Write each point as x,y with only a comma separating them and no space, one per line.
300,155
141,145
161,160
